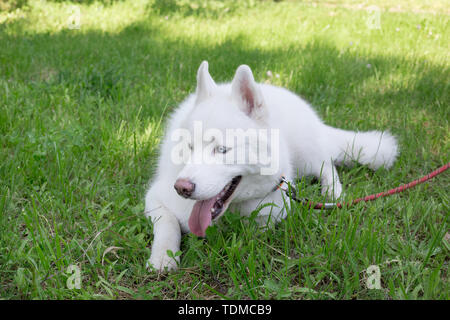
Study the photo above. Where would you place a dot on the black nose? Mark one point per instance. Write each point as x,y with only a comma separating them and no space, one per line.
184,187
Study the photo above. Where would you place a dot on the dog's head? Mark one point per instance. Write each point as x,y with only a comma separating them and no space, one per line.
227,146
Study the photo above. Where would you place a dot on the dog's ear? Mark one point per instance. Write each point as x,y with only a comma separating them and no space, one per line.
205,84
248,94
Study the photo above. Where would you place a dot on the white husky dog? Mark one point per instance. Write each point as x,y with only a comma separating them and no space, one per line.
189,195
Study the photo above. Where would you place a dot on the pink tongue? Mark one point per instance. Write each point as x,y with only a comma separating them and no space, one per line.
200,218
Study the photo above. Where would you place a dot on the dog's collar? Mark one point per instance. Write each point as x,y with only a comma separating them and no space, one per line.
280,183
289,189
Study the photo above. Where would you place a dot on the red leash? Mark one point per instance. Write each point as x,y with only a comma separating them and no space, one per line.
378,195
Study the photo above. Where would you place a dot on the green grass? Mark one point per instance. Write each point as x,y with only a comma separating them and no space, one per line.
82,113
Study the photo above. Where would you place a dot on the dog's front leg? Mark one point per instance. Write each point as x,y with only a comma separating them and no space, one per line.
271,208
167,236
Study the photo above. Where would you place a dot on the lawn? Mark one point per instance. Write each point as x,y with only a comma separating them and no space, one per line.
83,106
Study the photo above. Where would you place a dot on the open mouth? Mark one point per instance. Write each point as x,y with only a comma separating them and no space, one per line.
205,211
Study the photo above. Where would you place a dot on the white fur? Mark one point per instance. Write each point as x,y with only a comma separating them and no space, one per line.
307,147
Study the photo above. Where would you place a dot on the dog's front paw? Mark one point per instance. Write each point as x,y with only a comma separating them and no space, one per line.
161,262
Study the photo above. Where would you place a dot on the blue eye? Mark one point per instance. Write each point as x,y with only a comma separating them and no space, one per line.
221,149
